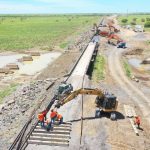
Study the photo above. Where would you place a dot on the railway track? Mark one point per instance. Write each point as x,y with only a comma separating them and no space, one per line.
32,133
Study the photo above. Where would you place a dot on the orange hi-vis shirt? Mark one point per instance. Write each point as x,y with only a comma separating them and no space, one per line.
40,117
59,116
53,114
137,120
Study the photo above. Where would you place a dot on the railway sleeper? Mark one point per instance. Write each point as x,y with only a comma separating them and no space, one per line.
50,143
51,135
41,138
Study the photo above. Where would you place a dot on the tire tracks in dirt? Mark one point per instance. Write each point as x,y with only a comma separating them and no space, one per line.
116,71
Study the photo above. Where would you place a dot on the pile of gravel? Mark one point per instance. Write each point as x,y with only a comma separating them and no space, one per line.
16,109
81,42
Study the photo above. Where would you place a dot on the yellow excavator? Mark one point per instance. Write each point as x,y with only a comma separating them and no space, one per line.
105,102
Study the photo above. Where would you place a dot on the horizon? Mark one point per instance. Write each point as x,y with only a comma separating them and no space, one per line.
73,7
44,14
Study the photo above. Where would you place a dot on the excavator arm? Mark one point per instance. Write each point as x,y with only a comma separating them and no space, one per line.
74,94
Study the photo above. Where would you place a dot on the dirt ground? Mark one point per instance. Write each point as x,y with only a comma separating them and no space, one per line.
120,134
56,70
103,133
61,66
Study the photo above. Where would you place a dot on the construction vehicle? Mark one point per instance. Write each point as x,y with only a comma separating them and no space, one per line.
104,101
116,41
63,89
138,28
109,32
109,28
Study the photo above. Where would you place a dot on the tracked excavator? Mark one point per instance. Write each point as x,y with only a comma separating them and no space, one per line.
105,102
113,38
105,32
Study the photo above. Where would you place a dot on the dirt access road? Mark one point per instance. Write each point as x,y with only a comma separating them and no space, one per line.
118,74
127,93
120,134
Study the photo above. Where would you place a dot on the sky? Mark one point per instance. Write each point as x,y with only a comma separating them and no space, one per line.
73,6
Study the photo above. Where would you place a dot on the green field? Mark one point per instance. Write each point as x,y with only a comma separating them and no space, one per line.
25,32
7,91
138,20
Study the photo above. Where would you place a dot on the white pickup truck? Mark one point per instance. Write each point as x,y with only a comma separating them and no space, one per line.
139,28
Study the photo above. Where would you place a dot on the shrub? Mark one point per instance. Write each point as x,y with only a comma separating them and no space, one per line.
142,20
147,19
147,24
124,20
134,19
133,23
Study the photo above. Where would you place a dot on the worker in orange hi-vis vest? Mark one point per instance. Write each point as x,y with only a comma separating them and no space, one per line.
41,119
60,118
48,125
53,115
137,121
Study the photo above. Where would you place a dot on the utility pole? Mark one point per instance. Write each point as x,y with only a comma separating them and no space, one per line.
127,13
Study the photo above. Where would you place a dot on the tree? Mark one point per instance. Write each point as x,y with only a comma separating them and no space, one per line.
147,24
142,20
134,19
124,20
147,19
133,23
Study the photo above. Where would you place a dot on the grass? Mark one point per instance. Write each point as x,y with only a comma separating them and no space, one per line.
25,32
127,69
7,91
130,19
99,68
63,45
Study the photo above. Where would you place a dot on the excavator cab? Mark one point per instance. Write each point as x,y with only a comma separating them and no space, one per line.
63,89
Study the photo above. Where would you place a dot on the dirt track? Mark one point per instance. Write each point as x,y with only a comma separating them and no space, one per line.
135,98
118,74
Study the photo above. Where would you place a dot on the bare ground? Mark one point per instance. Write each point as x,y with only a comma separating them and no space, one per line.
61,66
120,134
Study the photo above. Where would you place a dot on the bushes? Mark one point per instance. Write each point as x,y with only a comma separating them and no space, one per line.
124,20
133,23
147,24
134,19
142,20
147,19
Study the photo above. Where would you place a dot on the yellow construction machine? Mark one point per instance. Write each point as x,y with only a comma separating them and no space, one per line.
105,102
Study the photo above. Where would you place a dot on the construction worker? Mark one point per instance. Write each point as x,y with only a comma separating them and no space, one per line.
48,124
41,119
60,118
53,115
137,121
44,113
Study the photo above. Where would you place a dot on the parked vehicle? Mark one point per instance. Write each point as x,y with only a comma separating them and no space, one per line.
139,28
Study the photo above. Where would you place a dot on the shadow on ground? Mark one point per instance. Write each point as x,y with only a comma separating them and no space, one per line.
119,116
